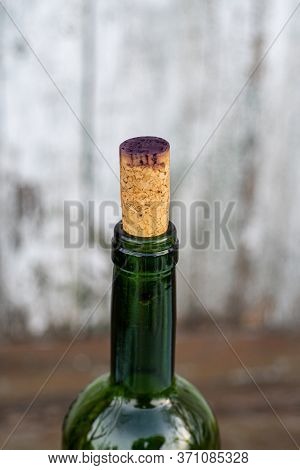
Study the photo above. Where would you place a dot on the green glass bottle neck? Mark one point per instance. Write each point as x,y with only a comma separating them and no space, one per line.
143,315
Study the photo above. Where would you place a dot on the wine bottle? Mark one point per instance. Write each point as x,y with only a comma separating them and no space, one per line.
141,403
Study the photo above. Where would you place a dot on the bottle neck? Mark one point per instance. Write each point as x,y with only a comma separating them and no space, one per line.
143,312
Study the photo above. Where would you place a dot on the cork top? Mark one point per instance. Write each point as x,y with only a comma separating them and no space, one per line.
145,185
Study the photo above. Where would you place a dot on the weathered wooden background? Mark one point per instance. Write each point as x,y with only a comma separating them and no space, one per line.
77,78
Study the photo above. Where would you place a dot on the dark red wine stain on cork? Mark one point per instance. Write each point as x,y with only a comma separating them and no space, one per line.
144,150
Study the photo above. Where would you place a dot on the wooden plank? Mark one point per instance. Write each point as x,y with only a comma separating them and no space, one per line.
246,420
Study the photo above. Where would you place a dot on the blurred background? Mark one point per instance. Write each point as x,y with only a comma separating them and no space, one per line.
220,81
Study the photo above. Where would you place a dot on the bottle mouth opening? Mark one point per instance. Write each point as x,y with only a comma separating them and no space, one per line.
136,254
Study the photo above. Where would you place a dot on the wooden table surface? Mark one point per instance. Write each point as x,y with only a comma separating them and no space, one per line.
260,415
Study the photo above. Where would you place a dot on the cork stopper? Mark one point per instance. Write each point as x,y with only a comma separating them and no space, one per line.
145,186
